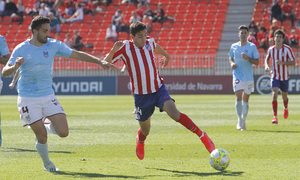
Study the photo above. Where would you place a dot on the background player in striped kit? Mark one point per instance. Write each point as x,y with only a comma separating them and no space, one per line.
281,56
147,85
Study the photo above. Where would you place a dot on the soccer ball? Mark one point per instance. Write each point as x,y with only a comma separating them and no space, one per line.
219,159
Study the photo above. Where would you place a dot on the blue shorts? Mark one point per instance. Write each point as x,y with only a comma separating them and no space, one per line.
282,85
145,103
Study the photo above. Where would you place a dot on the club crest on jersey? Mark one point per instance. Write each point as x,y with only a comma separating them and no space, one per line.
46,53
246,50
148,47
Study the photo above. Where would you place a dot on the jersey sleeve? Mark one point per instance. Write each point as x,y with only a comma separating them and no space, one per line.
230,54
152,41
268,56
63,49
3,46
119,53
291,55
14,55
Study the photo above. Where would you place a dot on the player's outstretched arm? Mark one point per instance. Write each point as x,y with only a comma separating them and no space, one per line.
9,69
159,50
110,55
80,55
13,82
232,63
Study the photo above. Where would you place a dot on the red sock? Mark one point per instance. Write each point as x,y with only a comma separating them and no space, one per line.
189,124
274,105
286,103
141,136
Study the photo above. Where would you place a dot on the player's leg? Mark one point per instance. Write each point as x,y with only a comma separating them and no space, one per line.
245,108
284,86
275,104
239,107
172,111
59,124
142,134
41,145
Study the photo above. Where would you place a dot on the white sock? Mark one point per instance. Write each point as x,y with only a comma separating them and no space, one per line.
238,108
245,110
42,149
49,127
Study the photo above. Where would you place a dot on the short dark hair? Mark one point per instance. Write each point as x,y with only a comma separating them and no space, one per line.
38,21
243,27
279,31
136,27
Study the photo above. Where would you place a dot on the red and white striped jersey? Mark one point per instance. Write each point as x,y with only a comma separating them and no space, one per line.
285,54
140,64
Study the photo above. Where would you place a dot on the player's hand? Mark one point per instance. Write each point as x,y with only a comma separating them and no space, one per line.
244,56
19,62
233,65
11,85
267,69
164,61
279,62
107,65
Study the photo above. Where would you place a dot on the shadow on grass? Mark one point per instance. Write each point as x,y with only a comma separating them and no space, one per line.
94,175
274,131
33,150
189,173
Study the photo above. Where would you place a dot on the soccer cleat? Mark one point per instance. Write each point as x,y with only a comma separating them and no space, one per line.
286,113
238,126
140,151
243,125
210,146
275,120
51,167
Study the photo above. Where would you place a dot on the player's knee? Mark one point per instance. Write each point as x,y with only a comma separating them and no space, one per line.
175,116
42,139
64,133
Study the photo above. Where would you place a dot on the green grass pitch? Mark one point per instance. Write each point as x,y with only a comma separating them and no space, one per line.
101,143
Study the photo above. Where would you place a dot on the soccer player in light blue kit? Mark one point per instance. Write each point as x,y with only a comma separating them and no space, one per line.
4,56
241,57
34,58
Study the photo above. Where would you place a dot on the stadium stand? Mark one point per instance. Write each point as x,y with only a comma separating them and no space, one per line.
197,28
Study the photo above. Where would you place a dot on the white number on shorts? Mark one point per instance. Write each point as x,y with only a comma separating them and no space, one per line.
138,110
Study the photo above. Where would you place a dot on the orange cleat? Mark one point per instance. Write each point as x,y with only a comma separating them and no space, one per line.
286,113
275,120
210,146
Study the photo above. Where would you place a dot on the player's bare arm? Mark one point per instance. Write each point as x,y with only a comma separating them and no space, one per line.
89,58
232,63
289,63
267,68
13,82
9,69
116,46
4,59
253,61
159,50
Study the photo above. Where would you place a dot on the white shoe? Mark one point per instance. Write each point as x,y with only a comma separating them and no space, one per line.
51,167
238,126
243,124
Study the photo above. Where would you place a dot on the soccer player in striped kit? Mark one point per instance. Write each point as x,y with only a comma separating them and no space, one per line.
281,56
147,85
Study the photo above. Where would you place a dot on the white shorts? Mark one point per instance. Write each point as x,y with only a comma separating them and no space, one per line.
33,109
1,85
247,86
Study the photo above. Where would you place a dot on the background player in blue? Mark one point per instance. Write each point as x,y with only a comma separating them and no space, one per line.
241,57
4,56
36,101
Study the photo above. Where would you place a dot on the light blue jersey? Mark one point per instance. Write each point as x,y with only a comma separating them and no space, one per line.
36,72
244,70
3,49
